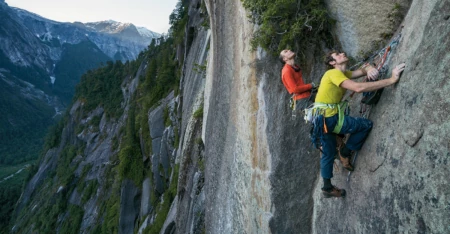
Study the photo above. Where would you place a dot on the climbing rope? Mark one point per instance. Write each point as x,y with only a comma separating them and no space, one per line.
381,59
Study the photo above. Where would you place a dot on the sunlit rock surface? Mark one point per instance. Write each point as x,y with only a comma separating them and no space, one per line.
262,175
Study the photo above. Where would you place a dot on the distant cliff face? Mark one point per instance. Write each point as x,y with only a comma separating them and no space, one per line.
244,164
120,41
67,50
41,62
262,175
80,183
21,46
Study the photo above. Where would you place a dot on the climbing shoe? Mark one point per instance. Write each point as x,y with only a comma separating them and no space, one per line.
344,156
333,192
339,144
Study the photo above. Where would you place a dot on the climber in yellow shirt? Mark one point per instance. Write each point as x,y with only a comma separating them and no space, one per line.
332,88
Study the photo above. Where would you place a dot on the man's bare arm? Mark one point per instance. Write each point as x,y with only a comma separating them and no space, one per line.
360,87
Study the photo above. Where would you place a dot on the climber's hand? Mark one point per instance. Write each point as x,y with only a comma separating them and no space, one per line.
372,74
397,71
314,87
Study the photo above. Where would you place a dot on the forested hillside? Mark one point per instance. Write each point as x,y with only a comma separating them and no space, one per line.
41,62
197,134
99,145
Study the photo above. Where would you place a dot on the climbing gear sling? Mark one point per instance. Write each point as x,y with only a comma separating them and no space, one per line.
318,109
293,103
371,98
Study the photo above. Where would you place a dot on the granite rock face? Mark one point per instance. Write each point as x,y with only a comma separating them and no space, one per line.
13,37
363,27
96,191
42,61
190,207
262,175
239,160
247,166
162,140
400,185
92,165
129,206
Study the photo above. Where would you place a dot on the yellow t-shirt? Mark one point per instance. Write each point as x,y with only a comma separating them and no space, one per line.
330,91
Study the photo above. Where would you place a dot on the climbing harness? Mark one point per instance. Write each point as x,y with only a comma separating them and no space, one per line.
293,103
317,109
315,115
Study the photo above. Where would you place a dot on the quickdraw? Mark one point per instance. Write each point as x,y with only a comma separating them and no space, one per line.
371,98
293,105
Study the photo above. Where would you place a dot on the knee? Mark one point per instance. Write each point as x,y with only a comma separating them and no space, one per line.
328,156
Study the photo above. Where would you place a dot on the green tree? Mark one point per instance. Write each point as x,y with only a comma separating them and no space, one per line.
291,24
131,165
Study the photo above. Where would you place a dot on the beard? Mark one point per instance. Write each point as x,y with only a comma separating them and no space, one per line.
293,56
344,61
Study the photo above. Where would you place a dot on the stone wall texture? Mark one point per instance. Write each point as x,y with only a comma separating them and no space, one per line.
262,174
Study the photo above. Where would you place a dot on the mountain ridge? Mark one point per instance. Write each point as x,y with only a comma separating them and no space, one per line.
224,155
145,32
110,36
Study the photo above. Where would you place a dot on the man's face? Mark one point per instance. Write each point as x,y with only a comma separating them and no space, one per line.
339,58
287,54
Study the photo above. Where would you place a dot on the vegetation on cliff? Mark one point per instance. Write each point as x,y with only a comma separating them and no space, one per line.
290,24
103,87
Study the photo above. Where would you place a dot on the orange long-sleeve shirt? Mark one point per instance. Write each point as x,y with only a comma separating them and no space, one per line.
293,81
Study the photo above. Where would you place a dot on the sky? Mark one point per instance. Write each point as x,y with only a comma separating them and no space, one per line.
152,14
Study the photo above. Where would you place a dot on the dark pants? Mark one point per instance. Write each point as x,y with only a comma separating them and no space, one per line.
358,128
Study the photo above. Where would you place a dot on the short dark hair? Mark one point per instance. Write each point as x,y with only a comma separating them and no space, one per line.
329,58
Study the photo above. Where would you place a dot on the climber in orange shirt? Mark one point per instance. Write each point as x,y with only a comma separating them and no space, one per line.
291,76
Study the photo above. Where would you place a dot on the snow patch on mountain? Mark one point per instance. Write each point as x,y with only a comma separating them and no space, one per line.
46,37
114,27
118,40
147,33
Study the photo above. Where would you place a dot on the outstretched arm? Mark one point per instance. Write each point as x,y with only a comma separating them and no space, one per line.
360,87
